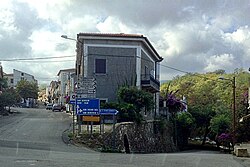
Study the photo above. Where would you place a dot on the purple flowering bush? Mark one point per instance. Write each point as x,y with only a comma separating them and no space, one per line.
173,103
67,99
225,139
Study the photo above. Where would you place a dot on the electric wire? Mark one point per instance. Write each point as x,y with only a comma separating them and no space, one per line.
36,58
31,60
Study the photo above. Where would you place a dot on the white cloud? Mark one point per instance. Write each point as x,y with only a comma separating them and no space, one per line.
219,61
113,25
240,35
194,36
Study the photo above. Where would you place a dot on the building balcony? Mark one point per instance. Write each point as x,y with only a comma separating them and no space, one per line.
149,83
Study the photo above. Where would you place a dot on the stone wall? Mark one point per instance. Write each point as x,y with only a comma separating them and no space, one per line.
148,137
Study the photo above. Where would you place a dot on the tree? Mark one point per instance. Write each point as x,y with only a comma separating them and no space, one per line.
27,89
209,99
174,104
3,83
203,107
220,124
8,98
185,122
137,99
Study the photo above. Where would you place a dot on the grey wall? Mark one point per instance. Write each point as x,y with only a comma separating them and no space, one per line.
146,62
120,68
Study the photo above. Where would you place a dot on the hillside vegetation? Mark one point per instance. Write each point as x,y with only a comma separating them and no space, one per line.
210,101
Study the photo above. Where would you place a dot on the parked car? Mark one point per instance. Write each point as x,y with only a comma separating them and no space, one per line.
49,106
57,107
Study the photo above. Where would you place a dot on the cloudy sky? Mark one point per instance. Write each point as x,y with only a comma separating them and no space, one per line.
191,35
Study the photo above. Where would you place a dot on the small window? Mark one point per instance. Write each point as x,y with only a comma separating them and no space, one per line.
22,74
11,81
146,70
100,66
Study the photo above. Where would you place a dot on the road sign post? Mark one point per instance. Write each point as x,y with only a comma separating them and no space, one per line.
88,107
106,112
86,88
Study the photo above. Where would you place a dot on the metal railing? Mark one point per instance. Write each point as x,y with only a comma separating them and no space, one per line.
147,80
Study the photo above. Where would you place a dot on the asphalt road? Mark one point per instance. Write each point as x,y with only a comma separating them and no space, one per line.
32,137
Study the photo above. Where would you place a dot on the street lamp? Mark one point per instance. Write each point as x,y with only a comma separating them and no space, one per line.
77,75
234,104
73,39
78,66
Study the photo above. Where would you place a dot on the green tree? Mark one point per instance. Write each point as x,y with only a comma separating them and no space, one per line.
8,98
3,83
220,124
184,122
134,98
27,89
208,97
203,107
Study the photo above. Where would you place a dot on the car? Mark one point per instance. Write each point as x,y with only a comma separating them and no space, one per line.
49,106
57,107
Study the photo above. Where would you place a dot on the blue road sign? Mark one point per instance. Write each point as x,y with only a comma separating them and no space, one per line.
72,102
86,106
108,112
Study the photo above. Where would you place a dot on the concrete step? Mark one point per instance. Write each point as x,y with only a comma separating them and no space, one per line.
242,150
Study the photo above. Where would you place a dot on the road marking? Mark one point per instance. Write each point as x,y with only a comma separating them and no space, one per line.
17,146
131,158
164,159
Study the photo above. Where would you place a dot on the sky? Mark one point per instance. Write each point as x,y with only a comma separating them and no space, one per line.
191,35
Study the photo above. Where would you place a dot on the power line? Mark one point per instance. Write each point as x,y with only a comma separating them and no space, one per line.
31,61
176,69
56,57
36,58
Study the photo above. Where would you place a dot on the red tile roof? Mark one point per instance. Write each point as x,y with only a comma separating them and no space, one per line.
110,34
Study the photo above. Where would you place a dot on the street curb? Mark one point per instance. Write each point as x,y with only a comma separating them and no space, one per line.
65,137
68,141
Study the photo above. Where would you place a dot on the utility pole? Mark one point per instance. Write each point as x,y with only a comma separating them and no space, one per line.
233,82
234,110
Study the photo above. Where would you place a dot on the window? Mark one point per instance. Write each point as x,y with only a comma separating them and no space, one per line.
146,71
11,80
22,74
100,66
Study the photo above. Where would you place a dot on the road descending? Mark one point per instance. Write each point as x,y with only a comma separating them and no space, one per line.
33,137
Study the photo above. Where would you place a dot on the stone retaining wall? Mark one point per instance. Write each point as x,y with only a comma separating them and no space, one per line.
148,137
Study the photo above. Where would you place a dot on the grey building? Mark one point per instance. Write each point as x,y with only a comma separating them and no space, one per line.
65,84
116,60
17,76
10,80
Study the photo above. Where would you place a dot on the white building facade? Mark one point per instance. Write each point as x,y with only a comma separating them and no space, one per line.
17,76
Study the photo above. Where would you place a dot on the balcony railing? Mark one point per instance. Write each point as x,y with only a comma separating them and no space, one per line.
149,83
